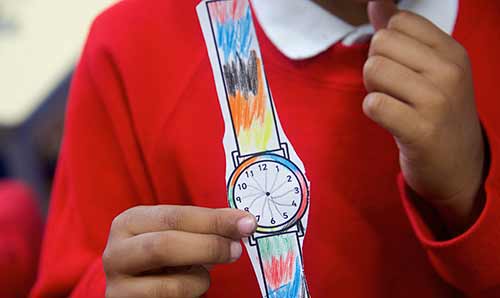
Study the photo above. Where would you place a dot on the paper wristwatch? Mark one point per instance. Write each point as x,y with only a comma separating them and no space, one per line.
264,175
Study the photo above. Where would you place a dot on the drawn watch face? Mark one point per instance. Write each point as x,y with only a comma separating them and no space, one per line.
272,188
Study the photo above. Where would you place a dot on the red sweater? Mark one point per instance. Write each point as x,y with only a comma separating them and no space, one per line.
144,127
20,238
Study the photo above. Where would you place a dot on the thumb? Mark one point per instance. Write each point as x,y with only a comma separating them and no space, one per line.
380,12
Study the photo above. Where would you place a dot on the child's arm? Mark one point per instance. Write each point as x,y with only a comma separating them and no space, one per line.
420,88
101,173
21,229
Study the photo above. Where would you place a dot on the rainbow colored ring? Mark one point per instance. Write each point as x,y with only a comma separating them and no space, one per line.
286,163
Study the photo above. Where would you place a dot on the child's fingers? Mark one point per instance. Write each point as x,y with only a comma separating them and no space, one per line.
419,28
426,32
228,223
384,75
395,116
192,283
380,12
405,50
150,251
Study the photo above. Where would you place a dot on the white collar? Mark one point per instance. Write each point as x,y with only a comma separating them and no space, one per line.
301,29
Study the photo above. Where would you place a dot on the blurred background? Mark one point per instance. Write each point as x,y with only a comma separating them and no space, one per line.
40,43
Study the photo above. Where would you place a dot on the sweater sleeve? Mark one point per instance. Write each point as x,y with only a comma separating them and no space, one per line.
20,236
471,261
100,174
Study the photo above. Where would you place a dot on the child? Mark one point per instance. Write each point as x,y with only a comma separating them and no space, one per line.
144,129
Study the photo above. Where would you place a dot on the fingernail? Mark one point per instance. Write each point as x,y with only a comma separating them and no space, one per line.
236,250
246,225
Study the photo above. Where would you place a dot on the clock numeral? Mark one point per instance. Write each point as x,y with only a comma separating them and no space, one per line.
297,190
285,215
289,178
277,168
246,209
263,167
238,199
294,204
249,175
273,221
257,217
242,186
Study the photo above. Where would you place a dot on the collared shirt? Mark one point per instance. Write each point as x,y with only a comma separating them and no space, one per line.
302,29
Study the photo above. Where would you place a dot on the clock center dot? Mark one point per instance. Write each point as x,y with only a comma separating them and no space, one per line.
268,194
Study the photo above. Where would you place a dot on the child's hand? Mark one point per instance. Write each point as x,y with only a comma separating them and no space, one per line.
163,251
420,89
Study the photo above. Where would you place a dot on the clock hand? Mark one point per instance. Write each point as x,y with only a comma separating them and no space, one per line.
258,184
275,179
256,188
269,207
263,208
277,209
280,186
251,204
252,195
265,183
282,195
281,204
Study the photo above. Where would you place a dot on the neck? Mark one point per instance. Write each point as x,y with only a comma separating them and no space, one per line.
352,12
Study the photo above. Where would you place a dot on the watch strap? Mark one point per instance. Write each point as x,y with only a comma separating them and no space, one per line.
282,266
239,65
